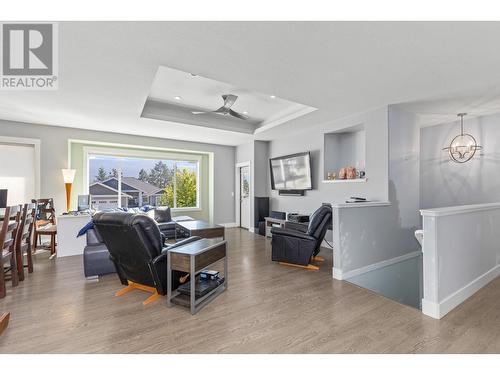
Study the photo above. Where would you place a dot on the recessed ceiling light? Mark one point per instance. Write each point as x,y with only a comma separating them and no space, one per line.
245,112
177,98
272,96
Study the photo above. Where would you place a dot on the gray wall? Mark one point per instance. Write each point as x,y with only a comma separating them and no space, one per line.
244,152
371,235
54,157
404,166
446,183
404,181
261,168
312,139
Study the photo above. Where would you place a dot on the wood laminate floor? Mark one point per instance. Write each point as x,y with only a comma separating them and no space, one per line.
268,309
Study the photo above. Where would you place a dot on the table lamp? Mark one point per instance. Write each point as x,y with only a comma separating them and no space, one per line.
69,177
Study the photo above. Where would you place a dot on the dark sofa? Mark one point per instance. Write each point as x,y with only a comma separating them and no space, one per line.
96,260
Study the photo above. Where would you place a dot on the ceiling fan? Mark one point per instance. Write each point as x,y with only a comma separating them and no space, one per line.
225,110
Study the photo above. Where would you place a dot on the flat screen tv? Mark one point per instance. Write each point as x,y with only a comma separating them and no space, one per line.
291,172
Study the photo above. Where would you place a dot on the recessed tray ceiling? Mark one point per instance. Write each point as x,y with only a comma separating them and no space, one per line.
175,94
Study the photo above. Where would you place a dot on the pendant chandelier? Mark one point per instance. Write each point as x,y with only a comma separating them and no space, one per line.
463,147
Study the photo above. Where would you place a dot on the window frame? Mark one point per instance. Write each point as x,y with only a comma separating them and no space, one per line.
147,154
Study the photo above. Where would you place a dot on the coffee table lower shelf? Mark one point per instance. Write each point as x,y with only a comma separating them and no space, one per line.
185,300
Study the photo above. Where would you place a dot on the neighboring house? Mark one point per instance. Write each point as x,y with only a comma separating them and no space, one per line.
139,193
104,196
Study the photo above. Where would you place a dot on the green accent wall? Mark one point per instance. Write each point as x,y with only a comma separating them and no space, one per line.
205,212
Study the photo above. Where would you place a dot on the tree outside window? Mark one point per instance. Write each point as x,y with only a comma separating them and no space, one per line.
184,187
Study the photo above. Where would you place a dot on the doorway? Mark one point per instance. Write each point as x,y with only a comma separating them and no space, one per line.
244,191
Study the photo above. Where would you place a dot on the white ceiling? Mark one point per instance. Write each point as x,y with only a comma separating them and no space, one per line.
440,110
341,68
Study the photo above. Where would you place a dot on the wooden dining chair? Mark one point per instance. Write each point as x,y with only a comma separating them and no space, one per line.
45,223
7,248
4,321
23,239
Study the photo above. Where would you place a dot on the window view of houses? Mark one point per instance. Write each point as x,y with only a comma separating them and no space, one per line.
170,183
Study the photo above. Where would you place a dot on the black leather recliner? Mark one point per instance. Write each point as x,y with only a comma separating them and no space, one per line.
298,246
136,248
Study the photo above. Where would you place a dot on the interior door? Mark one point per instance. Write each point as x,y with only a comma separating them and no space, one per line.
245,197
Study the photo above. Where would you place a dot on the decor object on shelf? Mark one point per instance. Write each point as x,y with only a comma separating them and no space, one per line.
69,177
342,174
331,176
351,173
463,147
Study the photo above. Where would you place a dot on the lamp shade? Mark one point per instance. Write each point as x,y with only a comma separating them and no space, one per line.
68,175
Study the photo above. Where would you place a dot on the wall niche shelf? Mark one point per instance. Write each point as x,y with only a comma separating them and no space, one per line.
346,181
344,148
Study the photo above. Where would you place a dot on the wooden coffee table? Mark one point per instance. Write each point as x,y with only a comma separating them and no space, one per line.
193,258
200,228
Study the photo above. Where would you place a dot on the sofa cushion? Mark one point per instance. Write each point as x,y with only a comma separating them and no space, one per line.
93,237
96,261
162,214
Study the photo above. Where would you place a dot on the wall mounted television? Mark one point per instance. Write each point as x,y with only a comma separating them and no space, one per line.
291,173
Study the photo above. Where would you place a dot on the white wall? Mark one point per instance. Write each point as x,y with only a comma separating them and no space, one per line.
17,172
446,183
54,157
312,139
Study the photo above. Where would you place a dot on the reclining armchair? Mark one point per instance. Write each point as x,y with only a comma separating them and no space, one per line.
297,246
136,248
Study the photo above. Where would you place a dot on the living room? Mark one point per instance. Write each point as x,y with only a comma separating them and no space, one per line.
170,191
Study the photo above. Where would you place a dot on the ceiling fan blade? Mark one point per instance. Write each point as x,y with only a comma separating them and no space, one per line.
229,100
237,115
221,110
197,113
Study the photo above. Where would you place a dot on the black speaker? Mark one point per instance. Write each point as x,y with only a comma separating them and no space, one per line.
262,228
3,198
261,210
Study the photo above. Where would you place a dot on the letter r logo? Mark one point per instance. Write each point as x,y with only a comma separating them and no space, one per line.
27,49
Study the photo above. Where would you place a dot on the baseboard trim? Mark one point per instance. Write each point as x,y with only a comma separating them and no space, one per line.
229,225
340,275
437,310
